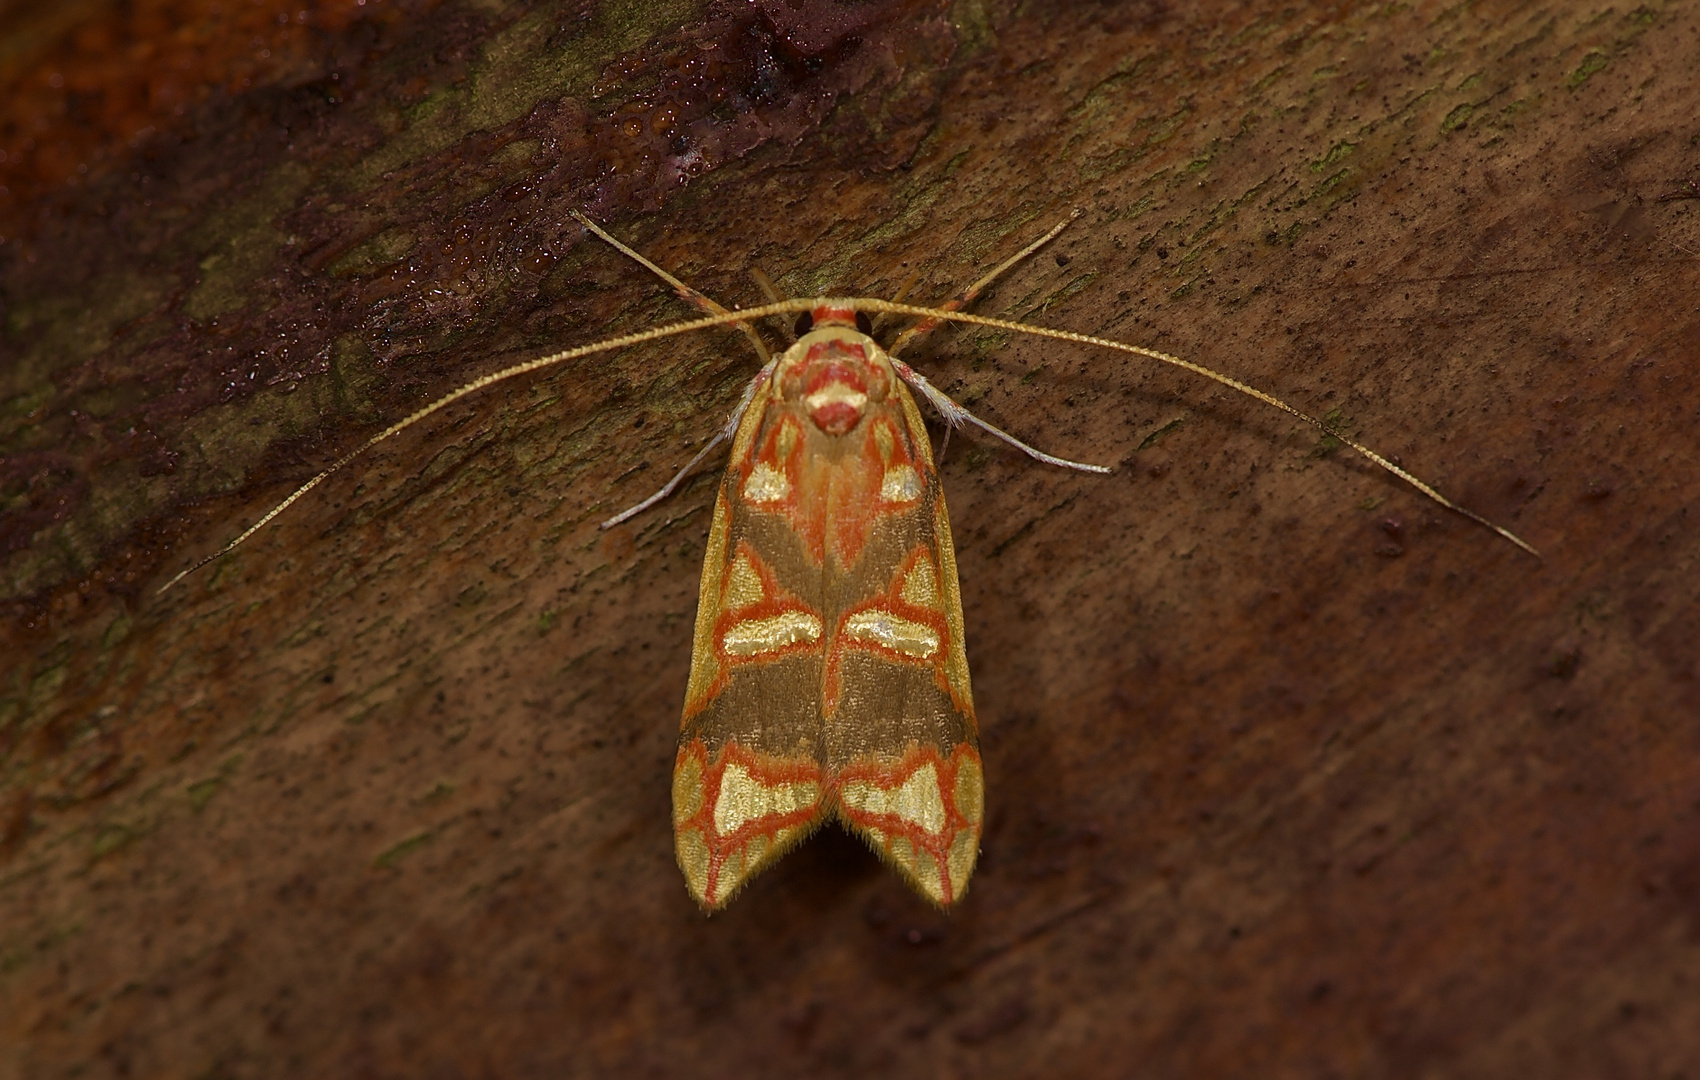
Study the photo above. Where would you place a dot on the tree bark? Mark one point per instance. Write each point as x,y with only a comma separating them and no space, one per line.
1290,771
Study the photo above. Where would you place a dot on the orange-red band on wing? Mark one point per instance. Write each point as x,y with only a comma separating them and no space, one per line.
905,624
735,813
923,813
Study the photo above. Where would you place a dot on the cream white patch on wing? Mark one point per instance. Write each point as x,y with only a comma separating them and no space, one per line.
916,800
766,484
921,586
744,799
897,634
752,637
900,484
743,585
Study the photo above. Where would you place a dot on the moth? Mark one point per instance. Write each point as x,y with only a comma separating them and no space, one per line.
829,675
828,672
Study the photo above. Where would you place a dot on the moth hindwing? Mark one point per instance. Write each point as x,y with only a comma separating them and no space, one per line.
828,674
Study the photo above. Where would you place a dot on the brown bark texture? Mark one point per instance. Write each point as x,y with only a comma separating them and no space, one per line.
1290,772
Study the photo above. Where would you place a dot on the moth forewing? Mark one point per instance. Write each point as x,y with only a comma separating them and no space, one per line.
829,678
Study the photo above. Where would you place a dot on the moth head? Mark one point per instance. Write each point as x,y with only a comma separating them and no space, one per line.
830,315
834,370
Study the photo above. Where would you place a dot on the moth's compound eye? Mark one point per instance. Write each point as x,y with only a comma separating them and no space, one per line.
805,323
864,324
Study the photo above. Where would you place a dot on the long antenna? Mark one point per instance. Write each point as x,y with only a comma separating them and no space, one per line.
789,307
473,387
1197,369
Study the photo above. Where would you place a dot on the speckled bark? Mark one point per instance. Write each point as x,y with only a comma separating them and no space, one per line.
1289,772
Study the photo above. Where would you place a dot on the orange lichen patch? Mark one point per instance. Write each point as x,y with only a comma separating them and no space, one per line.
80,86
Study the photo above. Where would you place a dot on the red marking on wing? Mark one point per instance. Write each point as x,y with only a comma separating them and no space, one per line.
776,600
892,602
834,505
768,771
788,465
893,776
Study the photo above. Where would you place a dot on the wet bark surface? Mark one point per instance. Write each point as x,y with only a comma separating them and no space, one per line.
1288,769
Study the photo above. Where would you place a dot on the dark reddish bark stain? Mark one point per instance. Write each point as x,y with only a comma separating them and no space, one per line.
745,76
83,96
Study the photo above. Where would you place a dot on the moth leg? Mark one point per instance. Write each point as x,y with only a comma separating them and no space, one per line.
972,293
703,303
726,431
898,297
769,289
956,416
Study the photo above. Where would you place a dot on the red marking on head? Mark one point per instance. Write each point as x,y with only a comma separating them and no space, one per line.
826,315
834,354
835,387
833,370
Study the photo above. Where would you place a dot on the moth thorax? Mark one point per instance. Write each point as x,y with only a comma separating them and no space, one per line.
835,380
